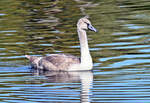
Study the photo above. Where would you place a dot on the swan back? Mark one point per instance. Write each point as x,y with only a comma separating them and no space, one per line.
58,62
53,62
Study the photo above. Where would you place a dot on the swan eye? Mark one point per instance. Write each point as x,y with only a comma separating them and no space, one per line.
86,23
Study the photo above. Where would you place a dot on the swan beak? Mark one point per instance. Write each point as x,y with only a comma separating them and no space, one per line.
90,27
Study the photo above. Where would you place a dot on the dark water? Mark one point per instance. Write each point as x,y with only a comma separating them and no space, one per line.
120,50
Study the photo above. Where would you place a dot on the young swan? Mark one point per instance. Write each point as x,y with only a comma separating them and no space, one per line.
65,62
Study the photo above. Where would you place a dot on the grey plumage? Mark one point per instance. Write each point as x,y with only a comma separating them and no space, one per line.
54,62
58,62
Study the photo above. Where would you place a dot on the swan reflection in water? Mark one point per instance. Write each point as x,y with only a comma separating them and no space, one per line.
85,77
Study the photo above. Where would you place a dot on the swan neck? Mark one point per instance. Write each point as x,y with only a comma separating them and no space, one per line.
85,53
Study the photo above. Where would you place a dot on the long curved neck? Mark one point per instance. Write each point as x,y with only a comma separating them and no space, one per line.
85,53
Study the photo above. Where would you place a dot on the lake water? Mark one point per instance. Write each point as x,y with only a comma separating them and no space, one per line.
120,51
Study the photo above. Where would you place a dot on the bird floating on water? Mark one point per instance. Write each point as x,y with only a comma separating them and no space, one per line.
67,62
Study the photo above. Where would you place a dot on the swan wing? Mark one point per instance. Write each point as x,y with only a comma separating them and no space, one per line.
59,62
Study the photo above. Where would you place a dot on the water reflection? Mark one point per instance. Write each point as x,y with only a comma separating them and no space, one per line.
70,78
85,78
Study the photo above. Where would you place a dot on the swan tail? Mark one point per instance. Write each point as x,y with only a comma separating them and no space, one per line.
28,56
32,58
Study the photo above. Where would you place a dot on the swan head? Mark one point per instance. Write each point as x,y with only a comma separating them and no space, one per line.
85,24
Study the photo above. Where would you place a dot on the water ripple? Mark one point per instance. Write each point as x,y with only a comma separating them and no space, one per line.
120,51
